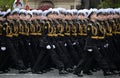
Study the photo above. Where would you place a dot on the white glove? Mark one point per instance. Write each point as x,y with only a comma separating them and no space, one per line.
48,47
3,48
106,45
90,50
98,48
65,44
74,43
53,46
29,44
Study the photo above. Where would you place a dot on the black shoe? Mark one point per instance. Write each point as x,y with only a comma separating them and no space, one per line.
78,74
69,70
5,71
107,73
94,70
63,72
1,72
44,71
115,72
37,72
23,71
88,72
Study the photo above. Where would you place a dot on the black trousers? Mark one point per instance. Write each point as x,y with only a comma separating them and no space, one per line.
41,61
87,57
29,58
5,60
16,61
72,52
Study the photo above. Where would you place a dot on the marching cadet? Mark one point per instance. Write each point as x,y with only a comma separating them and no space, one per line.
111,24
57,36
91,48
35,32
26,50
105,49
4,55
68,33
42,62
47,49
82,34
7,32
15,30
60,55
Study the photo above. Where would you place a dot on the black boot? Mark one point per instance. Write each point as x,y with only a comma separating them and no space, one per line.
37,72
23,71
3,71
80,74
70,70
88,72
63,72
107,73
115,72
94,70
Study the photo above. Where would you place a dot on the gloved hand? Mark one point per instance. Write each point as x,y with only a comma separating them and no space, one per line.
48,47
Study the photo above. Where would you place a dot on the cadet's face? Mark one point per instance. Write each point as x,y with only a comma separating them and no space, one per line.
15,16
68,17
34,17
94,16
110,16
38,17
116,16
100,17
50,16
62,16
22,16
105,17
45,18
55,16
1,18
81,17
9,17
28,17
74,17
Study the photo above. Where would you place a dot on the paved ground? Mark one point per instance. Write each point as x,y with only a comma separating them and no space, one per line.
53,74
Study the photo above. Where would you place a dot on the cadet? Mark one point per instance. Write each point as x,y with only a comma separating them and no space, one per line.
91,48
7,32
4,55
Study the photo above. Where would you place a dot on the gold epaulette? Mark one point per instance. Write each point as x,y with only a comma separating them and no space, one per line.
109,34
39,33
33,33
50,35
27,34
74,34
94,37
55,35
101,37
16,35
68,34
21,33
117,32
9,35
97,37
59,34
82,34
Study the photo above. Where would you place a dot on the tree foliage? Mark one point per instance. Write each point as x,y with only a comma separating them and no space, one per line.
6,4
109,4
